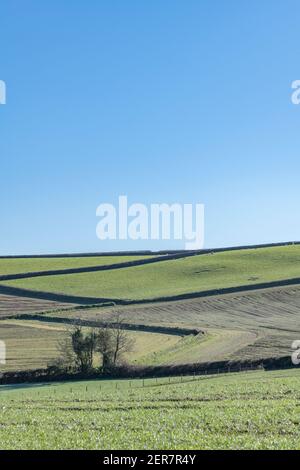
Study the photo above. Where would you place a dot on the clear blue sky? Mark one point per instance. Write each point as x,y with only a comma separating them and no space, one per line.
165,101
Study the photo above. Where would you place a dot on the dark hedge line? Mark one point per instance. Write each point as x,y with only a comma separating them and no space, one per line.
127,371
167,330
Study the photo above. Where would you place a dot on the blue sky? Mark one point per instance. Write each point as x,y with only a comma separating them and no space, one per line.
173,101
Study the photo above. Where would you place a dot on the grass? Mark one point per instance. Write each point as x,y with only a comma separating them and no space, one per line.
25,265
194,274
255,410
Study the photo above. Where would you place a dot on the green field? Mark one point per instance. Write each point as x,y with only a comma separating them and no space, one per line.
168,278
28,265
255,410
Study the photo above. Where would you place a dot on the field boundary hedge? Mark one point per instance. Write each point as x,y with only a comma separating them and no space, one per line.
168,330
136,372
149,252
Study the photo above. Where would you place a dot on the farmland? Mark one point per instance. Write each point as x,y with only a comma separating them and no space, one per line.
231,411
33,345
237,326
175,277
256,410
11,305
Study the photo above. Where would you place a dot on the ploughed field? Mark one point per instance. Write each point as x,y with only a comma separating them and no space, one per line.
11,305
253,410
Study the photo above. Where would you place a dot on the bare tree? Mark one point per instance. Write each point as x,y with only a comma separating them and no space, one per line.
66,359
121,340
105,347
113,341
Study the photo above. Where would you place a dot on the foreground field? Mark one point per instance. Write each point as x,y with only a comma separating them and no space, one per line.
256,410
176,277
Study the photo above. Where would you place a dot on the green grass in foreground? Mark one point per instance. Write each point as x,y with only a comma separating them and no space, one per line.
255,410
25,265
176,277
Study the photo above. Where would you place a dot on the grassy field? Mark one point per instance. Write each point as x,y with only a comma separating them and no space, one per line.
25,265
255,410
168,278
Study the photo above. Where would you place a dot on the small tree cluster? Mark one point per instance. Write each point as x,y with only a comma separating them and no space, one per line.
82,348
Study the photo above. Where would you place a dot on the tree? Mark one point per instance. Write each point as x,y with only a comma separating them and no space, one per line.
66,359
79,347
105,347
113,341
121,341
84,346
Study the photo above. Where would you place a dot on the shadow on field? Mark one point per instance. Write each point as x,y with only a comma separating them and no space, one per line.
6,388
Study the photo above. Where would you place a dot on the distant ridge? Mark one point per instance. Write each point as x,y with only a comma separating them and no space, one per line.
152,253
